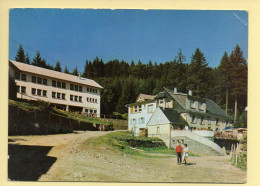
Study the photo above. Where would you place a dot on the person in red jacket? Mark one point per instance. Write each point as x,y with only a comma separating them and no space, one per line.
179,152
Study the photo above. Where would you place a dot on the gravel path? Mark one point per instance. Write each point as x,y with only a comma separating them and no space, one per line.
77,161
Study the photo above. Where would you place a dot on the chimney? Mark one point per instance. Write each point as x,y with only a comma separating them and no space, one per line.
175,90
190,92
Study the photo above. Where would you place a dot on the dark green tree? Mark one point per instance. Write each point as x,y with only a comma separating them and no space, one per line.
27,58
75,71
66,70
20,57
58,67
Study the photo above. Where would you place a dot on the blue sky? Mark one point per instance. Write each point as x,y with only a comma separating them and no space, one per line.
74,35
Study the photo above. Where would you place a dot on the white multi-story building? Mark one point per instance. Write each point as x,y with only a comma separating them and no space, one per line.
65,91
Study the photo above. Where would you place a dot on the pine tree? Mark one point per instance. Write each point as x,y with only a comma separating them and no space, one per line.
37,59
20,57
238,77
58,67
66,70
27,58
75,71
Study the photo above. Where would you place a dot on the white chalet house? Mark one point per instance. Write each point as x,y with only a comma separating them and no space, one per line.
64,91
180,109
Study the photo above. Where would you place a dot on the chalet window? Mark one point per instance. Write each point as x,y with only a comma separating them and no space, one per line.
59,84
96,100
139,121
91,111
33,91
39,80
53,83
45,81
87,89
135,108
58,95
90,89
63,85
201,120
209,120
76,87
80,88
63,96
142,120
217,121
39,92
53,94
18,88
80,99
140,108
17,75
71,97
23,77
150,108
193,119
23,90
71,87
76,98
86,110
95,111
87,99
199,105
134,121
44,93
192,103
33,79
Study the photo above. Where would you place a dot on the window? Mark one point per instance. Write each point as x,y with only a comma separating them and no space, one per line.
193,119
63,85
139,121
135,108
76,98
80,99
96,100
53,83
33,79
44,93
63,96
95,111
39,92
87,99
140,108
199,105
23,90
33,91
142,120
18,88
17,75
80,88
58,95
134,121
45,81
91,111
209,120
53,94
71,87
131,121
39,80
160,103
158,130
201,120
86,110
71,97
150,108
192,103
23,77
76,87
217,121
59,84
87,89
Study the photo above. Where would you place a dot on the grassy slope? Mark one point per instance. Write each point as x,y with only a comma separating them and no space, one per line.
31,106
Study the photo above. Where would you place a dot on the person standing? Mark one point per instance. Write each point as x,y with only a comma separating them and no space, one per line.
185,154
179,152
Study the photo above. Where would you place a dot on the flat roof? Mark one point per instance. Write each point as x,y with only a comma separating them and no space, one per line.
54,74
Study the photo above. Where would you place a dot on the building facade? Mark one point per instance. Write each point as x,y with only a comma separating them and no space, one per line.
194,112
65,91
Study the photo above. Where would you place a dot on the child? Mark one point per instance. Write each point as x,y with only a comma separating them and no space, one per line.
178,152
185,153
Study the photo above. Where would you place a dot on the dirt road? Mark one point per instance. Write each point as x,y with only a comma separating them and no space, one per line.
74,160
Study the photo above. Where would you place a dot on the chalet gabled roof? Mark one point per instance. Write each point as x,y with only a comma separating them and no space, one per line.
54,74
173,116
145,96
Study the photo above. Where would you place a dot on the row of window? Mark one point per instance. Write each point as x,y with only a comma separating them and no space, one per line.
201,120
91,100
58,95
21,89
76,98
20,76
90,111
39,92
192,104
58,84
76,87
92,90
138,108
137,121
39,80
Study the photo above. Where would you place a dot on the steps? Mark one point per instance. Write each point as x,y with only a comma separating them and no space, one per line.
209,146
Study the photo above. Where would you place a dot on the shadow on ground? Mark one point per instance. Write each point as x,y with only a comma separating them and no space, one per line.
28,163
